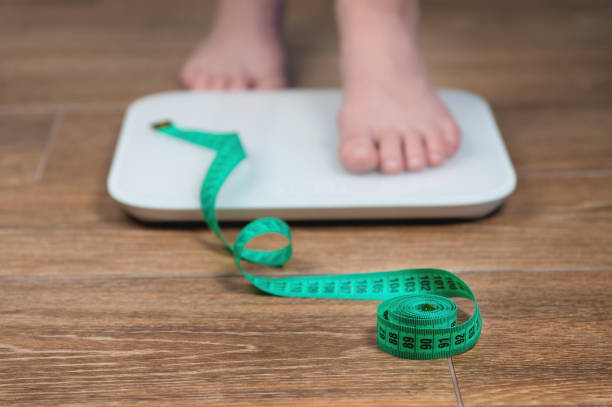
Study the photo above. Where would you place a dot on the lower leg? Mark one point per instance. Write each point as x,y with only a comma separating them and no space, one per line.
242,51
391,117
254,15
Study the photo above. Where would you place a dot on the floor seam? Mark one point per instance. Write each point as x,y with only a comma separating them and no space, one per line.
89,106
44,155
66,108
568,270
210,276
564,174
453,375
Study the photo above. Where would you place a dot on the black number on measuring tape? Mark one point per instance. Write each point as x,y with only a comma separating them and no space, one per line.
409,284
394,285
426,343
472,331
444,343
345,287
382,334
393,338
459,339
408,342
378,285
425,283
362,286
451,283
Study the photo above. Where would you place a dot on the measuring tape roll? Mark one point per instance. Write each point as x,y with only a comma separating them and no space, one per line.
416,320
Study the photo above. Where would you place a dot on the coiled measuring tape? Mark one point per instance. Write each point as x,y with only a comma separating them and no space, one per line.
416,320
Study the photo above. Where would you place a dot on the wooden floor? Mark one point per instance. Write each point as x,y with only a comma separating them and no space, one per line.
97,309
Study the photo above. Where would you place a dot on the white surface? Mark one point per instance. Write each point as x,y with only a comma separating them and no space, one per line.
291,170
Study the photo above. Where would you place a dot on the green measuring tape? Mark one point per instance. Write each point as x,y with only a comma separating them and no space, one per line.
417,320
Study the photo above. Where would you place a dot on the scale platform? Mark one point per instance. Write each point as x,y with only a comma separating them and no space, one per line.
291,170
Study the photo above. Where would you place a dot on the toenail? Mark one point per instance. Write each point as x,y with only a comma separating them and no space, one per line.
361,153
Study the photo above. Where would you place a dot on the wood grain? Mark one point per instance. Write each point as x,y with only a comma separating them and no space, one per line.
561,139
22,141
161,341
547,224
116,51
522,51
198,341
98,309
546,340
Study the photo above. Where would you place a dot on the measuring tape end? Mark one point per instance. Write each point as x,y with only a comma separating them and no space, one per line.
162,124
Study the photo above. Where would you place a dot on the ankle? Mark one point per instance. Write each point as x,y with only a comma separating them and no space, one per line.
383,26
378,39
404,12
260,17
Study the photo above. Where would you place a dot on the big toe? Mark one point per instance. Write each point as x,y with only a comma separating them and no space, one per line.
270,82
358,154
188,75
452,136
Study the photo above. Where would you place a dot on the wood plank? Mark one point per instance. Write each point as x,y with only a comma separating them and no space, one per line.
196,341
546,340
548,224
550,52
216,341
522,51
22,140
556,139
96,51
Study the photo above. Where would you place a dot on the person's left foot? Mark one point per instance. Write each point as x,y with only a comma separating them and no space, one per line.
394,124
391,118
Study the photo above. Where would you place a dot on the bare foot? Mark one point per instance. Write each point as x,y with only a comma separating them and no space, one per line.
391,118
243,51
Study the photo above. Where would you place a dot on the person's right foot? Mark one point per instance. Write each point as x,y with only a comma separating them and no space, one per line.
242,52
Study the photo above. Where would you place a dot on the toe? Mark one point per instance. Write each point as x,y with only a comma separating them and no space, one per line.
390,150
451,135
188,76
435,147
239,83
414,151
219,82
272,82
202,82
357,153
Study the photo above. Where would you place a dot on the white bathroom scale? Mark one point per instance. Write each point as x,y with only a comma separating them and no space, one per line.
291,170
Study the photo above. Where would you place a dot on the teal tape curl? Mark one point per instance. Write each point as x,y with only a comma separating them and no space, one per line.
416,320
